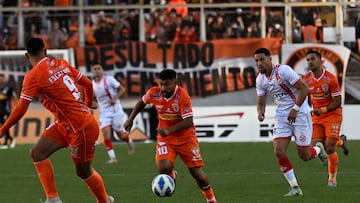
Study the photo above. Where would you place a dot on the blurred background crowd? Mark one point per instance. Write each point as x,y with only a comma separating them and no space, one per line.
118,20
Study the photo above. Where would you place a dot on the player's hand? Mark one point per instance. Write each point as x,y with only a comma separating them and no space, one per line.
163,132
317,112
292,116
113,101
261,116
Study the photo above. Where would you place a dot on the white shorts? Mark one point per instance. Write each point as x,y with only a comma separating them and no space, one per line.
301,129
116,121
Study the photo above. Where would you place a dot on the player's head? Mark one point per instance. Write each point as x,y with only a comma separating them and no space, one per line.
313,60
97,70
35,47
167,82
316,53
262,59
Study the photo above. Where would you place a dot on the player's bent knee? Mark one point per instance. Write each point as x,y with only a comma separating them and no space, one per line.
36,156
305,157
83,170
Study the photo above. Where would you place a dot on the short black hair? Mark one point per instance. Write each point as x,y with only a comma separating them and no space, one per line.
167,74
34,46
95,63
264,51
313,52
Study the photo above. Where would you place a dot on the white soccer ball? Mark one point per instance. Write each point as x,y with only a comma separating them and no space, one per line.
163,185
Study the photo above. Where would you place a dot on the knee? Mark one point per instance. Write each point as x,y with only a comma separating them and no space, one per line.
330,150
304,157
165,167
279,153
35,155
83,172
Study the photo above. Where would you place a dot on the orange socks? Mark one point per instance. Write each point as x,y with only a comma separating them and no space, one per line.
333,163
46,176
96,184
208,193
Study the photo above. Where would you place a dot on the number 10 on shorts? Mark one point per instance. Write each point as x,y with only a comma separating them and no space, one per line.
162,150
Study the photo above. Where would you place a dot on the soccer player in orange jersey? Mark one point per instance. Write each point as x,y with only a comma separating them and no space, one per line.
325,93
56,83
176,130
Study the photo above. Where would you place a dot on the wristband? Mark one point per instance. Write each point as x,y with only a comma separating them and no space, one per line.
323,109
296,107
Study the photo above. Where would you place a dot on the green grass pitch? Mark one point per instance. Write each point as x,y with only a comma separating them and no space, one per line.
239,172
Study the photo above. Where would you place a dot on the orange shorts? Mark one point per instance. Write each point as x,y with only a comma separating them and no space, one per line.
81,144
327,129
188,150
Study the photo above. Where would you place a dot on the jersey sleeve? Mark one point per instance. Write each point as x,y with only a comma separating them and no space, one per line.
147,99
76,72
113,82
30,87
288,74
185,106
260,90
334,87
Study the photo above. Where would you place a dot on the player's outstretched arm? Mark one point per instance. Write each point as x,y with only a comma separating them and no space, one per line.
139,106
261,102
16,115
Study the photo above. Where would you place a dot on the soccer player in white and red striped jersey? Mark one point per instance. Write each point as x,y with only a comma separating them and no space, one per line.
293,114
107,91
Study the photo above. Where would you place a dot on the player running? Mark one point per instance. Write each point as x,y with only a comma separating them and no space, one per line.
325,95
176,130
107,91
292,117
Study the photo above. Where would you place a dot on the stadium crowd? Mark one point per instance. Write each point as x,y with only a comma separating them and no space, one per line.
60,28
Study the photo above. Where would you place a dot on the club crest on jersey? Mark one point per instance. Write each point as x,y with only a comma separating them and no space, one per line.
175,107
325,87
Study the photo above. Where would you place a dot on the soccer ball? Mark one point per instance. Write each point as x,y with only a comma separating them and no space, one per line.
163,185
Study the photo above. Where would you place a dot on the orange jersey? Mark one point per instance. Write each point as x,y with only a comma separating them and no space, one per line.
171,110
322,90
55,82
